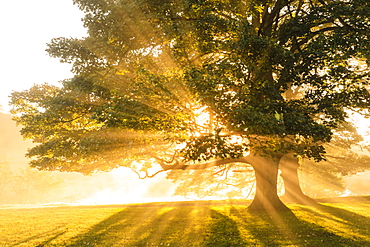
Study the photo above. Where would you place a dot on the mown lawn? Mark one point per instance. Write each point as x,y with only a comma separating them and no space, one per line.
334,222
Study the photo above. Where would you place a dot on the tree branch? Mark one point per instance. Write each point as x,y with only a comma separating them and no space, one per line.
251,159
244,182
241,170
297,45
268,18
146,174
178,165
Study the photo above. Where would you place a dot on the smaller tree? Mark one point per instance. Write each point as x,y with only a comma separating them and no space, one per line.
33,186
342,160
7,180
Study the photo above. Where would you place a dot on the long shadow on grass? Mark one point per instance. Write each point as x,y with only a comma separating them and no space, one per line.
178,227
148,226
116,228
56,232
345,222
230,226
223,232
282,229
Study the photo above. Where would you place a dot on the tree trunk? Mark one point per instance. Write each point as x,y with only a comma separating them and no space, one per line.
293,193
266,198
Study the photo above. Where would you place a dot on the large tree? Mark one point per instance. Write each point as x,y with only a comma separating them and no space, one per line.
195,84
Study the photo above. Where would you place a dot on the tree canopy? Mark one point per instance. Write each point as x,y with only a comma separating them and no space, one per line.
268,77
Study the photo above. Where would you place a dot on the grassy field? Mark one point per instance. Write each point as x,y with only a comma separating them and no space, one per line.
334,222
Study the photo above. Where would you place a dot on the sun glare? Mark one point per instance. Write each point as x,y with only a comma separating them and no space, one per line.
362,124
202,120
122,186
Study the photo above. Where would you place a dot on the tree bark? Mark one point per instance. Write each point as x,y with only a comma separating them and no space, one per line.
293,193
266,198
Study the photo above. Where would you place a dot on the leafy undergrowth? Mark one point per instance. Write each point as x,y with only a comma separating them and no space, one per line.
335,222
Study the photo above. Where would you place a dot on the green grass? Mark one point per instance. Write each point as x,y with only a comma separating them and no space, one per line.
339,222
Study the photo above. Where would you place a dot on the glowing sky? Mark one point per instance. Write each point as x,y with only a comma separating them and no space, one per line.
26,26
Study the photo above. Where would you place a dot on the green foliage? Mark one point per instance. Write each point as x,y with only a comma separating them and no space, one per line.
83,126
146,66
207,147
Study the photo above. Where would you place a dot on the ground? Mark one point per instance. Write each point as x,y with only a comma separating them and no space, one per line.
333,222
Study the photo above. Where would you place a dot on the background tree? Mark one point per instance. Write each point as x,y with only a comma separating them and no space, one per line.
26,186
147,68
32,186
7,177
327,177
343,158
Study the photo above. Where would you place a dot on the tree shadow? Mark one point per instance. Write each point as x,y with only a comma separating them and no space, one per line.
45,243
351,225
112,228
234,225
285,229
264,229
56,232
147,226
223,231
177,227
163,226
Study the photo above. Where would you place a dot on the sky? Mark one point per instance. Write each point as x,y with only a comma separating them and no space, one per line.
26,27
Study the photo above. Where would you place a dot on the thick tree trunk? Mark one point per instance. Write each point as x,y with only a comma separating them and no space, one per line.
293,193
266,198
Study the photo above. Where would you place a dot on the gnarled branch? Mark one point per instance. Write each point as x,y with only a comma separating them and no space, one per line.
147,174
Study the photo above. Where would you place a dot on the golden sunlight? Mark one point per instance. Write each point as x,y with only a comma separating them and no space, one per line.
122,186
203,120
362,124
